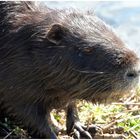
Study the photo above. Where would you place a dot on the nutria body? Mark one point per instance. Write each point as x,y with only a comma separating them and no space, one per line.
50,58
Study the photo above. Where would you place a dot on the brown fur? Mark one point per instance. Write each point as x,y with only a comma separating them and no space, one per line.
50,58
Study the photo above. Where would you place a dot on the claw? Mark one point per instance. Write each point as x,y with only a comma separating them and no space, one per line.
80,132
76,134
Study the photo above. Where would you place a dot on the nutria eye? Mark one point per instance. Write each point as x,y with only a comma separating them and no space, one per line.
88,50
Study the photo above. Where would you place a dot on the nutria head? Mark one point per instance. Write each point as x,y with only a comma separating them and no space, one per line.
97,66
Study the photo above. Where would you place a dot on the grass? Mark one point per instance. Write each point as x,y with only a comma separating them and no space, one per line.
117,120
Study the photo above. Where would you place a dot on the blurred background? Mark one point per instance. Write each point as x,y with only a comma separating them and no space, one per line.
124,16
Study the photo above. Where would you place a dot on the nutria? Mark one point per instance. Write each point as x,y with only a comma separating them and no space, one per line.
50,58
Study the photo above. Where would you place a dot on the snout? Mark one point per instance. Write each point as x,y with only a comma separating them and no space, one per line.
133,73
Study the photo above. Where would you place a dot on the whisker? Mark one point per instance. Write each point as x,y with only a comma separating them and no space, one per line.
88,72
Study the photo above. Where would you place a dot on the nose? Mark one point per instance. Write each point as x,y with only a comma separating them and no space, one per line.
132,74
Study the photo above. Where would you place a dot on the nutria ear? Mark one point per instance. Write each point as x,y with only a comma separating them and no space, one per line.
56,33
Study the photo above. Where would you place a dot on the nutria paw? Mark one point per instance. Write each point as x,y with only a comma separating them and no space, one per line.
79,131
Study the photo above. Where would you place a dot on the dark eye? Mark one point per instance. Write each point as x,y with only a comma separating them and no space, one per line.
87,50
